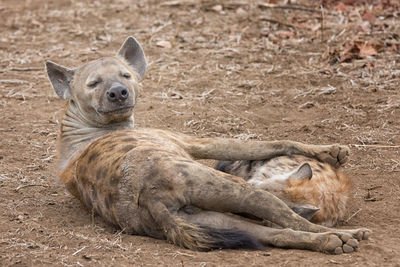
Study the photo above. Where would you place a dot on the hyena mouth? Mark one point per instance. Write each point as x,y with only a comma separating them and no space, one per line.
119,110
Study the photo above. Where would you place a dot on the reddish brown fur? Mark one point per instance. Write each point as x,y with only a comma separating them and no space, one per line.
328,189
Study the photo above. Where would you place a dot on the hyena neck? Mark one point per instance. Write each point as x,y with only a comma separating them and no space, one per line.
77,133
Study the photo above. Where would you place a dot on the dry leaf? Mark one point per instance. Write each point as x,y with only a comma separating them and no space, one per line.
340,7
368,16
358,49
164,44
351,52
367,50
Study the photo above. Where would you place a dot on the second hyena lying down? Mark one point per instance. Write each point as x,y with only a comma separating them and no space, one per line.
147,182
315,190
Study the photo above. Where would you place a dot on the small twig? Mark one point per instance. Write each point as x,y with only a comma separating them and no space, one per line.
178,3
375,146
277,22
175,254
207,93
265,5
79,250
29,185
352,216
375,187
13,81
322,22
92,216
27,69
48,159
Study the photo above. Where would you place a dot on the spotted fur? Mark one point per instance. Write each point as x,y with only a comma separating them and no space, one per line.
147,181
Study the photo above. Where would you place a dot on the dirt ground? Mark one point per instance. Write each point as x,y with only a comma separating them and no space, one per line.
243,69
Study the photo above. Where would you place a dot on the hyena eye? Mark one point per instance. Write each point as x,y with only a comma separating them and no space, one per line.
126,75
93,84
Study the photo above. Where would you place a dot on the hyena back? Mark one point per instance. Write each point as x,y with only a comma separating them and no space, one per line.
315,190
147,181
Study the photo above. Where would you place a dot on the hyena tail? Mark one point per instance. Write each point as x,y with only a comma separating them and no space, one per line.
204,238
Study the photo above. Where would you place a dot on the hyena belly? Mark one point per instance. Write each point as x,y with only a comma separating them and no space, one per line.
114,175
102,183
98,172
308,186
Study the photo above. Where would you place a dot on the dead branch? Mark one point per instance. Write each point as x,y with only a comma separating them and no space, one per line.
27,69
266,5
263,18
374,146
29,185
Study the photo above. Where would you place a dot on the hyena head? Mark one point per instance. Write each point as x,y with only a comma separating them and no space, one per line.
326,188
103,90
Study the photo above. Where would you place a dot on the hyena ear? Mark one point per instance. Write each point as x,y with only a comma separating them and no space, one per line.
133,53
305,210
303,172
60,78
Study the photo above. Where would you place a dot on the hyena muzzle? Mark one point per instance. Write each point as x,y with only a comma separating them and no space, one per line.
147,182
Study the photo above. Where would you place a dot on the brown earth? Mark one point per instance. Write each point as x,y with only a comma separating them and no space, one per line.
241,69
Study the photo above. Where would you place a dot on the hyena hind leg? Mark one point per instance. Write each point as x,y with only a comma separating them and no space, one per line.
212,190
334,243
184,233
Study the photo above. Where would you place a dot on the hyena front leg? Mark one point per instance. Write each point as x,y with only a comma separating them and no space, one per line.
212,190
233,149
284,238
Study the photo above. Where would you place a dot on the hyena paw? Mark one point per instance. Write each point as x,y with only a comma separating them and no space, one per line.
359,234
338,243
335,155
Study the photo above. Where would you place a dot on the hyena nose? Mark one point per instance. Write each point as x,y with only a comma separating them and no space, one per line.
117,93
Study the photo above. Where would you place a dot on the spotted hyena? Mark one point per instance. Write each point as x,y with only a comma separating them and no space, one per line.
315,190
147,182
